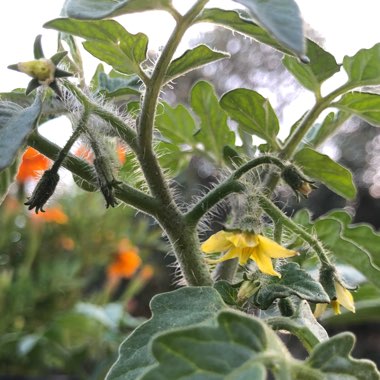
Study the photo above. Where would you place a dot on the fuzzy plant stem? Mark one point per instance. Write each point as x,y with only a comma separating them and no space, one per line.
127,194
81,127
229,186
125,132
279,217
183,238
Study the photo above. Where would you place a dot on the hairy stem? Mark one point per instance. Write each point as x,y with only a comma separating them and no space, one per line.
124,130
279,217
127,194
229,186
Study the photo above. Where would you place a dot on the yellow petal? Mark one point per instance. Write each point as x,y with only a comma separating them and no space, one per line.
335,306
272,249
231,254
320,308
344,297
243,239
264,262
217,242
244,254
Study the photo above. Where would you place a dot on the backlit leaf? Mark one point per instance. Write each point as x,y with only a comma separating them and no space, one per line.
282,19
98,9
321,167
192,59
253,112
321,67
362,104
363,68
108,41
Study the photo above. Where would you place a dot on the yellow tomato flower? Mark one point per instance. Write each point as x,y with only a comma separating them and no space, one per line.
343,297
244,246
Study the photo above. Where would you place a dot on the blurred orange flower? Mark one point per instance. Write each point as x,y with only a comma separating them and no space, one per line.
32,163
125,264
86,153
146,272
67,243
53,214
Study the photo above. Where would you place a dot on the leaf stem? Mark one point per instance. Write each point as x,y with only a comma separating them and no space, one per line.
279,217
127,194
229,186
296,137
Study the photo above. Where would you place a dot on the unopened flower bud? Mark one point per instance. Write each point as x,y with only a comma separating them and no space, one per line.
247,290
41,69
297,181
44,190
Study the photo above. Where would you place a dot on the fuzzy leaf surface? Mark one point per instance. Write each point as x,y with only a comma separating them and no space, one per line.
282,19
363,68
333,358
302,324
98,9
321,167
108,41
253,112
294,281
362,104
232,348
181,308
192,59
214,132
321,67
15,126
346,250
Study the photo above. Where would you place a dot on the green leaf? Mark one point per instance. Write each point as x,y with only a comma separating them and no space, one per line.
294,281
236,22
362,234
183,307
302,324
98,9
320,132
363,68
332,233
171,157
214,132
253,112
321,67
231,349
192,59
108,41
176,124
282,19
333,358
115,85
15,126
7,177
227,291
363,104
321,167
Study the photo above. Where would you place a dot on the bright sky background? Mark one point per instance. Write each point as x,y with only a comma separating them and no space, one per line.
346,26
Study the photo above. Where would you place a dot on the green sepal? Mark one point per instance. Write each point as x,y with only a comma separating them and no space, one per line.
32,85
57,57
37,48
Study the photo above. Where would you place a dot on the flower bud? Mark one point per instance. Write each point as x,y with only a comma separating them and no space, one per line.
44,190
247,290
41,69
299,183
